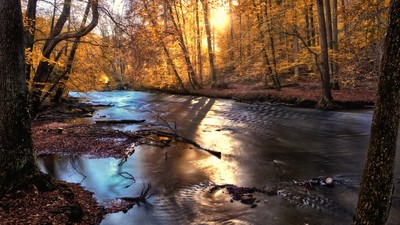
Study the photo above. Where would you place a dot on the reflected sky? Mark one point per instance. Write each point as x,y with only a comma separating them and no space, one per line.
261,145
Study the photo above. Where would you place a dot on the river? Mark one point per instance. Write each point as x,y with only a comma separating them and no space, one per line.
262,145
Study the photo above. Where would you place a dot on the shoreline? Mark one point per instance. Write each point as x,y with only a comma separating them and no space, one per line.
296,96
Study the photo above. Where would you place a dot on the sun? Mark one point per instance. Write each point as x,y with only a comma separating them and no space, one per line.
219,18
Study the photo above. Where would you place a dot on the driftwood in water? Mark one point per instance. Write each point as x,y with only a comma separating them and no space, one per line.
164,138
178,137
119,121
102,105
127,203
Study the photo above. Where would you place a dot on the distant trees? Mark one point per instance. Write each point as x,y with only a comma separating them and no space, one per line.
16,152
257,44
376,187
186,45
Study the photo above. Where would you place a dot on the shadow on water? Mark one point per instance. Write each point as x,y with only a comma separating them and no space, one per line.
261,145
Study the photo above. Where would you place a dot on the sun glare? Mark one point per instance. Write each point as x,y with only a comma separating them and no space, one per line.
219,18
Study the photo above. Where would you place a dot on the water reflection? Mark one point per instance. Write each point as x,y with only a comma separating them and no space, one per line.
261,145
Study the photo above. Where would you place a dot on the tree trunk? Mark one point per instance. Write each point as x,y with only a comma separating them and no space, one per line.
328,25
163,44
206,10
192,74
198,42
63,79
42,73
335,45
275,76
324,64
30,33
312,26
376,186
345,26
266,62
308,26
296,47
16,152
230,45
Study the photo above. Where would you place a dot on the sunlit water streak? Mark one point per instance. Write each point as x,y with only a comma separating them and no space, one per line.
261,145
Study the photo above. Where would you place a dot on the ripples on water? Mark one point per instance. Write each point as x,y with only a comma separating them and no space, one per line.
261,145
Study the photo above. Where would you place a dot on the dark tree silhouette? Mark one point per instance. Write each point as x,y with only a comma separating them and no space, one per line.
16,154
376,191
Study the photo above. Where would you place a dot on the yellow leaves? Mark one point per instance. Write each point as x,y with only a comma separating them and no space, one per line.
35,57
28,24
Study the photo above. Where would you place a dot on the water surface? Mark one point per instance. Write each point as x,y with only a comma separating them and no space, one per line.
261,145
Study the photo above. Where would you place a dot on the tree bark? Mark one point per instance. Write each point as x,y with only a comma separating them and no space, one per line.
328,25
198,43
16,151
163,44
30,33
335,45
324,64
275,76
266,61
312,26
192,74
230,44
376,186
206,10
64,77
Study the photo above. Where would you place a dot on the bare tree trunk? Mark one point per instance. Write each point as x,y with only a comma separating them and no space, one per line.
172,64
376,188
164,46
42,73
30,33
16,152
192,74
63,79
312,25
308,26
206,10
324,65
328,25
198,40
296,47
335,45
345,27
230,46
263,41
275,76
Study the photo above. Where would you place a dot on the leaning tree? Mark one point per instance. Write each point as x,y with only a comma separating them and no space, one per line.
377,186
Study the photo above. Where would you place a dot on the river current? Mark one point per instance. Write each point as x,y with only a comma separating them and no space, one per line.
262,145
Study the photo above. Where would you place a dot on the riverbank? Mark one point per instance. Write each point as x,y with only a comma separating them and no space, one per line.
52,135
57,202
303,94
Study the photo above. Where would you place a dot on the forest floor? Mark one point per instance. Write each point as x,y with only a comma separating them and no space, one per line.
64,203
69,203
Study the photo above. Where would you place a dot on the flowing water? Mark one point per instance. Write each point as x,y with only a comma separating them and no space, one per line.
261,144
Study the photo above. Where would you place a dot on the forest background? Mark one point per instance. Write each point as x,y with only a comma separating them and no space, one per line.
197,46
